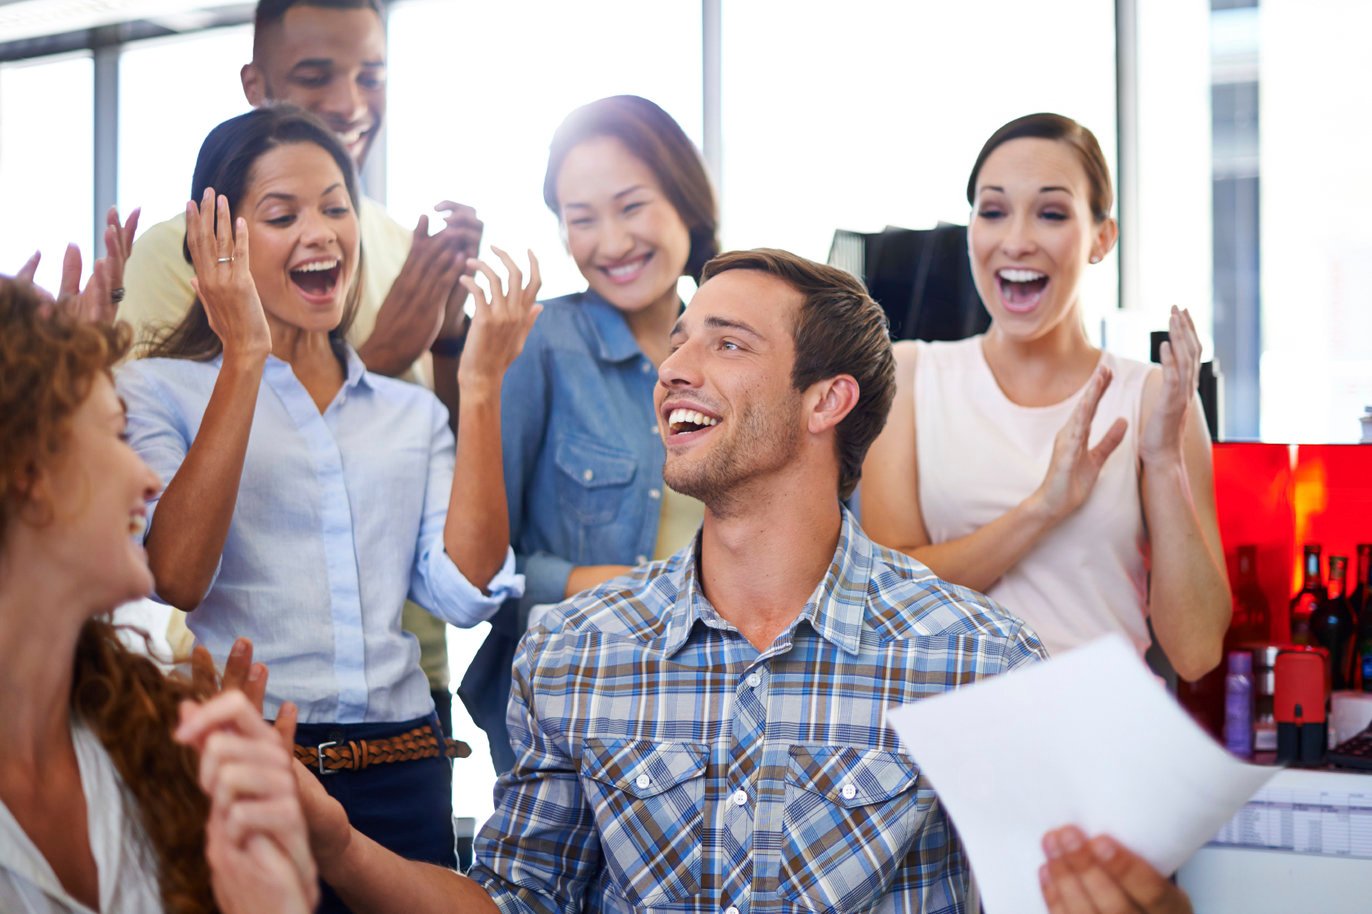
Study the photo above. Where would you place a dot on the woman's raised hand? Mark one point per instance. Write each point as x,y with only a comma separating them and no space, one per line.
502,321
1075,467
1162,435
104,290
223,282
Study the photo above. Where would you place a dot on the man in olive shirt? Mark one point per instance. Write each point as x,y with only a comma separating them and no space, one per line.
329,56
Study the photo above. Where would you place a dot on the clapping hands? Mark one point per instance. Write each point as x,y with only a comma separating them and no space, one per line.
104,290
223,282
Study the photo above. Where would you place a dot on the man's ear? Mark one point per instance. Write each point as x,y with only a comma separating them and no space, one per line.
830,401
254,84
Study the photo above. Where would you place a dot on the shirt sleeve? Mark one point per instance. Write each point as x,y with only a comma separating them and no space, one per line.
436,583
159,432
157,280
525,397
539,852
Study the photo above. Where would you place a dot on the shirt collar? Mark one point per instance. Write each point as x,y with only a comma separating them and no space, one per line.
835,610
614,341
355,371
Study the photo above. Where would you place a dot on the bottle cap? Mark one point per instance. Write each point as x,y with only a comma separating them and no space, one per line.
1241,662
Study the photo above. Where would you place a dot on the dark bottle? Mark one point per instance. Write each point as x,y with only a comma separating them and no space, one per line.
1362,589
1310,594
1331,625
1362,645
1252,618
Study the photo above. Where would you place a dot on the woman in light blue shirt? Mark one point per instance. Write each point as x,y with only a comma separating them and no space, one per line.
583,459
306,497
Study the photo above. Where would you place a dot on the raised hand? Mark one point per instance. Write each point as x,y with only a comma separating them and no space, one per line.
256,839
104,289
464,230
1100,876
412,315
223,281
1075,467
502,321
118,244
1161,437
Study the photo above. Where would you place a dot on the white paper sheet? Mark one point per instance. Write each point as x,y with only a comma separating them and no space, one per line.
1089,738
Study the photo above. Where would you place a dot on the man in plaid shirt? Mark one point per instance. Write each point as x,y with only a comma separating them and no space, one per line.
708,732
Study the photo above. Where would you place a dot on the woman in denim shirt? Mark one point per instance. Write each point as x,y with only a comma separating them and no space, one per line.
583,459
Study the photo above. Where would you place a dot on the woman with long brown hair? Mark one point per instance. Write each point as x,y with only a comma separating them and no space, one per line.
100,809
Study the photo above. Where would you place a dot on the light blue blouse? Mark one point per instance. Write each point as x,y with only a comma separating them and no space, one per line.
339,518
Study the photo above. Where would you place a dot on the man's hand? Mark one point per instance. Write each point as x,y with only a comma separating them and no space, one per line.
1100,876
466,228
416,308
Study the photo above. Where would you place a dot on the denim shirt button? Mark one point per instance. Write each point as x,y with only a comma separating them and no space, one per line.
588,475
640,560
654,494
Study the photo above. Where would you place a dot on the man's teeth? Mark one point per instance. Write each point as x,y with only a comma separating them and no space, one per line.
318,266
684,416
1021,275
137,525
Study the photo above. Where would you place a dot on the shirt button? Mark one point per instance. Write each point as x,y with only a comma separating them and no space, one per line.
755,679
740,797
588,475
731,910
643,781
654,493
849,791
640,560
647,368
653,430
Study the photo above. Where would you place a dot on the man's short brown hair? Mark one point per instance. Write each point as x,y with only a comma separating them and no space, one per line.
839,330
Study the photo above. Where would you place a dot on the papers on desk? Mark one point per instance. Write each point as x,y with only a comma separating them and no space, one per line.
1089,738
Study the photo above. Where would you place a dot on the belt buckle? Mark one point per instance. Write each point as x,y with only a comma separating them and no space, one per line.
319,763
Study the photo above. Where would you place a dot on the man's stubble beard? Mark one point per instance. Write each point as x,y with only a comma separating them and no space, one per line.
757,445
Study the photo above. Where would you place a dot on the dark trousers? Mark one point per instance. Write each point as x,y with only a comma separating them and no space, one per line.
406,807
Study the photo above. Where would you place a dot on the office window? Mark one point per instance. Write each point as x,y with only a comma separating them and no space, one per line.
868,113
1314,135
172,91
47,171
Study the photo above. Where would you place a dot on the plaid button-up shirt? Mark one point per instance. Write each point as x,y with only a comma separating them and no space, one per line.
664,763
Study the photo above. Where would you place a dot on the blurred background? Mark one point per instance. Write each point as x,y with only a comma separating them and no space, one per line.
1236,129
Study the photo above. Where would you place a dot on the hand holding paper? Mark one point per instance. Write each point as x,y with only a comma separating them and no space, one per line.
1090,739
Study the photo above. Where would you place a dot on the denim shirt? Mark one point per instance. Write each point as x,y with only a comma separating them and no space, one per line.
583,474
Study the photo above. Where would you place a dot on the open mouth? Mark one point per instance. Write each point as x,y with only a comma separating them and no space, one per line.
1020,290
686,421
628,270
317,279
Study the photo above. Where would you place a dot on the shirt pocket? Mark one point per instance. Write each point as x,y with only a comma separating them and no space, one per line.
849,818
593,478
648,799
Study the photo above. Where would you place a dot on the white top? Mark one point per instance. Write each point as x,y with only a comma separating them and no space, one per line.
980,455
127,873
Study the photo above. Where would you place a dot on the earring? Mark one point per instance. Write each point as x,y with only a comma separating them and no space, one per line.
1095,258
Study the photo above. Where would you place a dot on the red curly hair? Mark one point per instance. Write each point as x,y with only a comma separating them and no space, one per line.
48,363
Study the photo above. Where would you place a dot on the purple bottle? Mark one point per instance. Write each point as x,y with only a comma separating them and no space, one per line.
1238,704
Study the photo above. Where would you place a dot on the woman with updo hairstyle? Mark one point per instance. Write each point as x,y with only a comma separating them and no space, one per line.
1072,485
583,459
100,805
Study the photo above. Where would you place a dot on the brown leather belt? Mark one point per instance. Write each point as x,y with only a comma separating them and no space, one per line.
355,754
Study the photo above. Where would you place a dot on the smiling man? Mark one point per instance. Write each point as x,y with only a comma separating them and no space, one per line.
329,57
708,732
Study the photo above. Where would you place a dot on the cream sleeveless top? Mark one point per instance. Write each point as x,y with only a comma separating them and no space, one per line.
981,455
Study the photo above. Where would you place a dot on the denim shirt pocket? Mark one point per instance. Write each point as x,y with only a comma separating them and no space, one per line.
593,478
849,817
648,798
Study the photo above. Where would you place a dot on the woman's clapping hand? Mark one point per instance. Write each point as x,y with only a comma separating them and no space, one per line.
223,282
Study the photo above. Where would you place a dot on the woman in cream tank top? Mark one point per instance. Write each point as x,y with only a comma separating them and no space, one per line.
1071,485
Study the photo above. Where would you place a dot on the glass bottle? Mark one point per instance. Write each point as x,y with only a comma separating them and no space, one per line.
1252,617
1310,594
1362,587
1331,624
